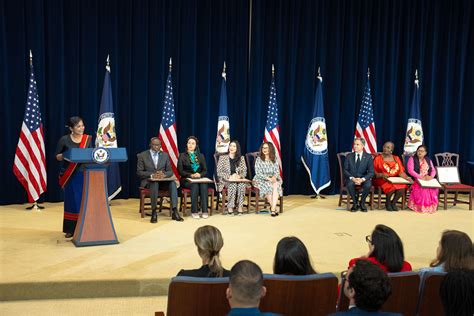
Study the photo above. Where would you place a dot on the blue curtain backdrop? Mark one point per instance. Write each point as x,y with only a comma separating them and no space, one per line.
71,39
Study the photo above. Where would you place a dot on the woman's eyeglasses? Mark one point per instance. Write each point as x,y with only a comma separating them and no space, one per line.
368,239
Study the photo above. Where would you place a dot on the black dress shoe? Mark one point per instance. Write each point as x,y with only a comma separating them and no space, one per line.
175,216
394,207
355,208
388,206
154,217
68,235
363,208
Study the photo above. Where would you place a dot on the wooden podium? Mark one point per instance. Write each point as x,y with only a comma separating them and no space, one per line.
94,225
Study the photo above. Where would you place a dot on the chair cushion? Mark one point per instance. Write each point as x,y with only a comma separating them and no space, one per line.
458,186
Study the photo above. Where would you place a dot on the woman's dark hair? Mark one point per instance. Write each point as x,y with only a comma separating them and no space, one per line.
455,251
238,152
456,293
416,161
73,121
292,258
388,248
271,151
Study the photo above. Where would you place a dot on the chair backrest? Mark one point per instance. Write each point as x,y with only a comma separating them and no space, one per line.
429,303
197,296
216,161
447,159
404,297
250,158
341,158
300,295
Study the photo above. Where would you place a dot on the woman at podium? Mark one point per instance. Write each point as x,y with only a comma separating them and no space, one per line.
71,176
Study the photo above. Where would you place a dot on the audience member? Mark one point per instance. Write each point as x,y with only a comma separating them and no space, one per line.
385,250
292,258
367,287
454,251
209,242
245,289
457,293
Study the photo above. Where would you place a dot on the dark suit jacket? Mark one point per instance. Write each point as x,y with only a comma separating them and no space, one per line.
202,272
365,169
360,312
146,167
185,168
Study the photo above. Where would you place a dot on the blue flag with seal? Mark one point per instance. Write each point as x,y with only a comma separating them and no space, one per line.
414,134
223,127
315,155
106,136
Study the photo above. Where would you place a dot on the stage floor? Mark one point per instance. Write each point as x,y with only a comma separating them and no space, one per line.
38,263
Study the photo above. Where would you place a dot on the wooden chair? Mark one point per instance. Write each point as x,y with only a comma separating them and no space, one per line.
404,297
197,296
300,295
254,198
448,159
344,196
145,194
186,193
429,303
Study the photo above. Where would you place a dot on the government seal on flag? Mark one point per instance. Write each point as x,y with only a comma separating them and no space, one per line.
316,138
106,136
414,136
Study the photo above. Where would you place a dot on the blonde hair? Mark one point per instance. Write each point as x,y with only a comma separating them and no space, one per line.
209,242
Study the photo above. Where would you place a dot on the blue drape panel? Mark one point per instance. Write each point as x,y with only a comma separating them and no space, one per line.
71,39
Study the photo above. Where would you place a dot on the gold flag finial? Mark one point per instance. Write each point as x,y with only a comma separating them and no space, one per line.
223,72
273,69
319,74
31,58
171,64
107,67
368,72
416,77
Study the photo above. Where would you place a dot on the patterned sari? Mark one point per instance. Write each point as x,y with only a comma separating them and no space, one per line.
422,200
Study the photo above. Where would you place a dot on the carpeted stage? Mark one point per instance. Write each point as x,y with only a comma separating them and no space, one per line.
38,263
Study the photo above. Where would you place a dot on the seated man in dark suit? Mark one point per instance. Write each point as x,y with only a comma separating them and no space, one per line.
245,289
367,287
358,170
154,164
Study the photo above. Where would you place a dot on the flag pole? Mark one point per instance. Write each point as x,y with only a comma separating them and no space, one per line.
318,196
35,205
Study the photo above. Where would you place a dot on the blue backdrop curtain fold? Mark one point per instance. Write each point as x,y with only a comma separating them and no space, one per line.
70,41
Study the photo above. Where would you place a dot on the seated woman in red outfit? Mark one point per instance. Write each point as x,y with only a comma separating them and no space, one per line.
385,250
389,165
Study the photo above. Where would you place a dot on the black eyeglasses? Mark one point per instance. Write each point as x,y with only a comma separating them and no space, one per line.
368,239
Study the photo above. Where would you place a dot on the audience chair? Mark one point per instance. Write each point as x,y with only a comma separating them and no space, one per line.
429,303
344,196
300,295
197,296
145,194
448,159
404,297
254,198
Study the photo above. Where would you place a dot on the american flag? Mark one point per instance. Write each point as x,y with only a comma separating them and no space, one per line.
272,129
365,127
30,164
167,135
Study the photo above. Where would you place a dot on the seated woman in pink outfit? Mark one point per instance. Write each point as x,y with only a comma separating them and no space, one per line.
422,200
